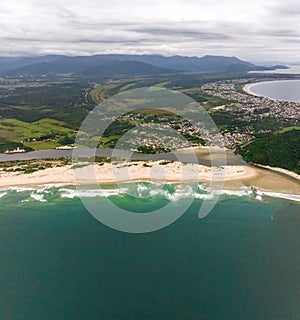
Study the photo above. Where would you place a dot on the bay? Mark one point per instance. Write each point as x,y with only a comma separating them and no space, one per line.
287,90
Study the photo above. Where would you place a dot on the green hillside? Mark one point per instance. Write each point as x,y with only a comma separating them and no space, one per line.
276,150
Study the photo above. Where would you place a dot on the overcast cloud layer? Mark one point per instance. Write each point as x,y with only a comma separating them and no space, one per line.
254,30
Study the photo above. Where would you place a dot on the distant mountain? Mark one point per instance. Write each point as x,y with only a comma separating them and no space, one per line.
279,66
130,68
219,63
115,64
10,63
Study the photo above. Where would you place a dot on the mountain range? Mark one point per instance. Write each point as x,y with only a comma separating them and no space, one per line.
118,64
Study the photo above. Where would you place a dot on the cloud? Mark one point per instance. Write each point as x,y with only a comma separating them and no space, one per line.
249,29
285,8
181,32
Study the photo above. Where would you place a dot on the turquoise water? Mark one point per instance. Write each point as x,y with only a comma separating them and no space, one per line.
57,262
288,90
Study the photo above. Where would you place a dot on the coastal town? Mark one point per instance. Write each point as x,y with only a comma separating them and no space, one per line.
244,107
249,107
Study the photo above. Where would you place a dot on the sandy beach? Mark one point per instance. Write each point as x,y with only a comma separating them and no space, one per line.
280,170
247,88
229,177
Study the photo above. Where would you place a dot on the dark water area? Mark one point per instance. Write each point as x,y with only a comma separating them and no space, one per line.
241,262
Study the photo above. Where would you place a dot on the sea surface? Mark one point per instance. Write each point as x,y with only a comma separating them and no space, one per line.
293,69
58,262
285,90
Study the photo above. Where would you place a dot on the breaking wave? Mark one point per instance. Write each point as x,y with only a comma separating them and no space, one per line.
71,193
169,191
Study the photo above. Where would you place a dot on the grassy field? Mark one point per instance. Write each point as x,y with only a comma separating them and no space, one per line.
41,145
206,100
287,129
104,91
33,165
98,94
43,134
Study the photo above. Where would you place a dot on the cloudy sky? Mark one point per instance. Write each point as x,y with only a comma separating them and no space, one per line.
255,30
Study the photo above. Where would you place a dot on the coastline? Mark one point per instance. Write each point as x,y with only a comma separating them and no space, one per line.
247,88
280,170
224,178
107,173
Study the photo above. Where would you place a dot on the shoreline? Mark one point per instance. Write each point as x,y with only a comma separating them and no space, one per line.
280,170
247,88
262,178
108,173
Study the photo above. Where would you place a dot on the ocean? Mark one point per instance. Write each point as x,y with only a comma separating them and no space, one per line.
242,261
285,90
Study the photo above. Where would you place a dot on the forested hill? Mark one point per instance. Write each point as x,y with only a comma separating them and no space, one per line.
276,150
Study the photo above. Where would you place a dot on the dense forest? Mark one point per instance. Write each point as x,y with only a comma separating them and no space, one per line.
276,150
